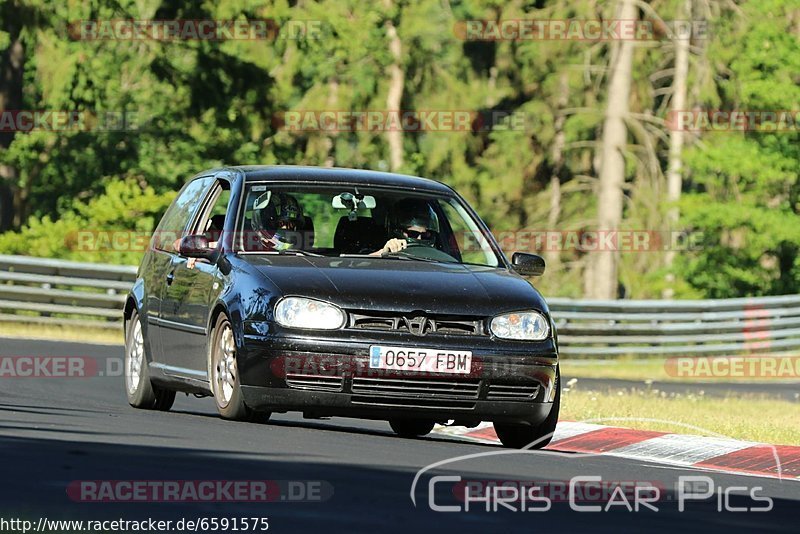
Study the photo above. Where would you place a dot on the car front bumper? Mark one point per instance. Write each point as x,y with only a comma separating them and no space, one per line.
331,377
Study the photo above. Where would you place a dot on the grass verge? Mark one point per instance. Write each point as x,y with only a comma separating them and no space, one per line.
656,369
749,418
60,333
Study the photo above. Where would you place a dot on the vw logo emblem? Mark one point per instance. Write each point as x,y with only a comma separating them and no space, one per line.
417,325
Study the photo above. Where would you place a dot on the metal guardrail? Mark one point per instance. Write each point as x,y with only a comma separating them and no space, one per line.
43,291
677,328
46,291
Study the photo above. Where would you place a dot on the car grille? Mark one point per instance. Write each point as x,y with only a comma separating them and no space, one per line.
512,392
419,393
315,382
419,325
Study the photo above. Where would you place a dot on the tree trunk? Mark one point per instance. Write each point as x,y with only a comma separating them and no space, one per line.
395,96
601,277
12,64
552,257
332,103
676,138
8,175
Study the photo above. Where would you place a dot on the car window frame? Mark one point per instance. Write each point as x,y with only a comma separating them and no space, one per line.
156,236
238,245
207,204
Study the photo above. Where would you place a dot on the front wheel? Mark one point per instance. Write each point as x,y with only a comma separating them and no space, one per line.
518,436
224,375
140,391
411,428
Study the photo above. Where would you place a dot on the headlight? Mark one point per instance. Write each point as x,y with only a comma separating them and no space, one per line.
298,312
528,326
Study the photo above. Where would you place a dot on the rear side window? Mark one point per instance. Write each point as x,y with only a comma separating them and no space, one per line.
174,222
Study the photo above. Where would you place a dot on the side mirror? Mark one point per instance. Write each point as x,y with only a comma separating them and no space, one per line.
196,246
527,264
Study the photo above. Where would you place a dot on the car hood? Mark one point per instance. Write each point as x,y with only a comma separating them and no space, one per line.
400,285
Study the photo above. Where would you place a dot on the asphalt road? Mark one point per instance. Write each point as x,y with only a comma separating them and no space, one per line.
55,432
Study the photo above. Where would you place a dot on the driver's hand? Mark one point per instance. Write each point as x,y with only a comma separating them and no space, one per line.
394,245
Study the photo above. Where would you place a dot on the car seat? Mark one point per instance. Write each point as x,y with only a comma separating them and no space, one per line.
361,236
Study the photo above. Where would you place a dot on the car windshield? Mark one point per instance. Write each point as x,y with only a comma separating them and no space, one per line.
346,220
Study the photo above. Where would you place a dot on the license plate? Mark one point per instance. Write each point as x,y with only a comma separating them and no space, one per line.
419,359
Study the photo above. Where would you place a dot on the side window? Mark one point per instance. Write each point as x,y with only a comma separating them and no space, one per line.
467,237
174,222
211,221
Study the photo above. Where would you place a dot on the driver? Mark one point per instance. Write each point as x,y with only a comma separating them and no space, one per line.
412,222
278,222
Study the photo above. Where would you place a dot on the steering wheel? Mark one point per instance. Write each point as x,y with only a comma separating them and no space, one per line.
421,250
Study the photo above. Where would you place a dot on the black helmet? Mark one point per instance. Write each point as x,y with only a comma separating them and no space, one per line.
281,218
288,210
413,212
280,209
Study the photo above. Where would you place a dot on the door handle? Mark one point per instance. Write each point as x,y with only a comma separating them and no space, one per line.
170,278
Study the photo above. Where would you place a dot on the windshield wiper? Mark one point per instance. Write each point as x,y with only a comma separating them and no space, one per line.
406,256
298,252
368,256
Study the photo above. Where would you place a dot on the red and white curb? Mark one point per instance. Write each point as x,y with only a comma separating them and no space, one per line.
711,453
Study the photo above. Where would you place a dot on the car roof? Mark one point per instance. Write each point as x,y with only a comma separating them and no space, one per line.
258,173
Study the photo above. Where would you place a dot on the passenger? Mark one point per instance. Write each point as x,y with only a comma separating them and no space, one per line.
278,224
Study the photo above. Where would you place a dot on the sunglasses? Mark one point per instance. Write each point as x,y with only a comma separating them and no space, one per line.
414,234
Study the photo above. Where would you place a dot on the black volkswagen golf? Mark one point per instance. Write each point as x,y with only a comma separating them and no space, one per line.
337,292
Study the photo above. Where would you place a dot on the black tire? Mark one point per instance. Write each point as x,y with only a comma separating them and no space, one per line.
411,428
223,376
518,436
140,391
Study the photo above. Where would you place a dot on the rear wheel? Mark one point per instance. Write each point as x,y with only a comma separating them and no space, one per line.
140,391
518,436
411,428
224,375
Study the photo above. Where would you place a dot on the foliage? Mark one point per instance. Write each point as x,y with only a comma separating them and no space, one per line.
111,228
200,103
744,193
